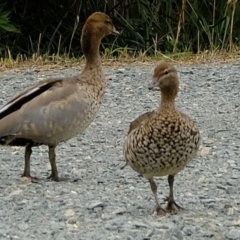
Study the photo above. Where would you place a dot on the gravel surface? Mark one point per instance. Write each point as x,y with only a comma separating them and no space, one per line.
109,203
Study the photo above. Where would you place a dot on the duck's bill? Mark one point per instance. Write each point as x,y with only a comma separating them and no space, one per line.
115,31
153,86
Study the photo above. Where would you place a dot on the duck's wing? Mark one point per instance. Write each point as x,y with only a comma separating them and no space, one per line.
136,123
26,96
50,104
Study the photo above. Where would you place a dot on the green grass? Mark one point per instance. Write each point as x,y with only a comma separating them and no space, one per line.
50,28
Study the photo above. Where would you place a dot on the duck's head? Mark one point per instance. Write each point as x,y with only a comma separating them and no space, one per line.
99,24
165,77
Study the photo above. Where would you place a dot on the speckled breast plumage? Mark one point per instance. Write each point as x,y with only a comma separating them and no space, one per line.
163,145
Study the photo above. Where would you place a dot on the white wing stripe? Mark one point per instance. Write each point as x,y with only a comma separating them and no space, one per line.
19,98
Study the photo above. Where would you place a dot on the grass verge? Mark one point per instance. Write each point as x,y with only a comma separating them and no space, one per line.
55,62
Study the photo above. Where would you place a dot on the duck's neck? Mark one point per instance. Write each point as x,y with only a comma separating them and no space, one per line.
167,102
90,47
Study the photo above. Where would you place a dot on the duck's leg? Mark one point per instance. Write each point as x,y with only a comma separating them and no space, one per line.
172,206
52,159
159,209
26,173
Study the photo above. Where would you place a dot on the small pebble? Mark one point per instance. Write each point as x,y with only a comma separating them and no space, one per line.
96,205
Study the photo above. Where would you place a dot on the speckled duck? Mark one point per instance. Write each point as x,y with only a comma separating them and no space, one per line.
164,141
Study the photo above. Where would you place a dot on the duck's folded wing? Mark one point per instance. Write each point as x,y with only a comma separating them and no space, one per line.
36,110
136,123
19,100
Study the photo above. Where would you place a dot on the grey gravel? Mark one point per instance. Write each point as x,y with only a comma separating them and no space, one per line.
107,202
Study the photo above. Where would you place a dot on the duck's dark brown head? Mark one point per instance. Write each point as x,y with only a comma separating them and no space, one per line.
165,77
97,26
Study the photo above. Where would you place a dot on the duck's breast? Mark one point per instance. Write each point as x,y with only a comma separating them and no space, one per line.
162,148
